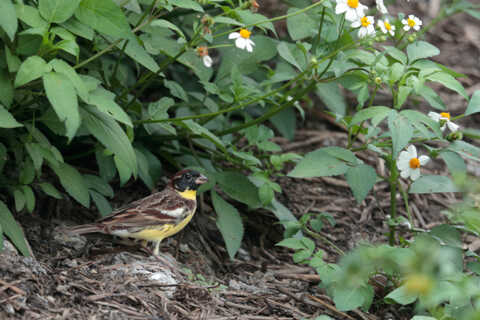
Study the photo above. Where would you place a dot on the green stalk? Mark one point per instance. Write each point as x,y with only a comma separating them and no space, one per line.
393,198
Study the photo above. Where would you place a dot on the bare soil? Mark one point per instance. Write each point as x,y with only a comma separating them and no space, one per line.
98,279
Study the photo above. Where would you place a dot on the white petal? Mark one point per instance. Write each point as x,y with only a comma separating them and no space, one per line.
371,30
381,7
412,151
248,45
207,61
405,173
341,8
240,43
362,32
404,155
392,33
356,24
403,164
415,174
452,126
406,28
423,160
234,35
351,15
435,116
416,27
404,21
411,16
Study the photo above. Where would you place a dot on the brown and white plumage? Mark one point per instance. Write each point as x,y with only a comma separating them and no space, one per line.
155,217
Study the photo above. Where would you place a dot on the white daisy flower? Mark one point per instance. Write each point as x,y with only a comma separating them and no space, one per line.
203,53
381,7
386,27
409,164
411,22
353,9
367,26
242,39
444,119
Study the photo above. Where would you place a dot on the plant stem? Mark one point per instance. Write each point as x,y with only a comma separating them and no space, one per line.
393,197
323,239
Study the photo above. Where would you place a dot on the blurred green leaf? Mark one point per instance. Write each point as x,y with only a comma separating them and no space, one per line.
401,296
29,198
361,180
347,298
454,162
20,200
7,120
57,11
332,97
448,81
433,184
396,54
101,203
50,190
239,187
104,100
302,25
421,50
98,184
187,4
9,18
12,230
229,223
377,114
473,104
400,130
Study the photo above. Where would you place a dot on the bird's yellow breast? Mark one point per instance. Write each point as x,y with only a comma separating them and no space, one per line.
189,194
161,232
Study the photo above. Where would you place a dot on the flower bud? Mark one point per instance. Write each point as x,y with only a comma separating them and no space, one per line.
378,80
455,136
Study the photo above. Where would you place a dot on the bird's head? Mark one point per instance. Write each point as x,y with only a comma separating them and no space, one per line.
186,182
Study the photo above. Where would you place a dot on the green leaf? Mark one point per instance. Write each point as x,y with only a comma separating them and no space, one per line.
302,25
98,184
187,4
266,194
281,212
50,190
328,161
292,243
138,53
285,53
124,171
204,132
72,181
62,67
78,28
101,203
27,172
454,162
176,90
29,198
400,130
104,16
19,198
111,135
8,22
57,11
332,97
158,111
465,149
242,190
32,68
227,20
285,122
229,223
377,114
423,318
7,120
473,104
260,21
104,100
30,16
421,50
63,98
396,54
6,88
448,234
448,81
361,180
347,298
433,184
401,296
12,230
167,24
417,119
431,97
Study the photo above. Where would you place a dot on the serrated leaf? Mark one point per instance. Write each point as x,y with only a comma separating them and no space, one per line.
301,26
421,50
32,68
229,223
473,104
111,135
63,98
12,230
242,190
361,180
8,22
50,190
72,181
433,184
57,11
7,120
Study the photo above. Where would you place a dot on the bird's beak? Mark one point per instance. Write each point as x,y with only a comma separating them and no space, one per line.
201,179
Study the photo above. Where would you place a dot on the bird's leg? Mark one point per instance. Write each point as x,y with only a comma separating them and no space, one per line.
156,251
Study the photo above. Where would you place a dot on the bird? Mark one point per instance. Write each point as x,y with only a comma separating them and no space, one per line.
155,217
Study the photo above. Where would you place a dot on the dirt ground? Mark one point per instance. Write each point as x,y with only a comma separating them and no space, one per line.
78,278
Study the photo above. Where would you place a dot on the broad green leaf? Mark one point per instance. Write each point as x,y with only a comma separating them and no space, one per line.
187,4
448,81
138,53
50,190
111,135
62,67
396,54
8,22
465,149
63,98
158,111
176,90
403,93
473,104
98,184
449,235
104,16
79,28
401,132
104,100
226,20
346,298
69,46
124,170
7,120
328,161
431,97
281,212
12,230
260,21
57,11
29,198
239,187
27,172
418,118
454,162
35,152
144,170
401,296
361,180
332,97
72,181
284,52
106,165
433,184
285,122
6,88
32,68
229,223
161,23
377,114
30,16
302,25
19,198
204,132
101,203
421,50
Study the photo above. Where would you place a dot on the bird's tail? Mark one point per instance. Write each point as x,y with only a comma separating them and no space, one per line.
81,229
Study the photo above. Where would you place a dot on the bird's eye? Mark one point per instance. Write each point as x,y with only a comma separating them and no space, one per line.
188,176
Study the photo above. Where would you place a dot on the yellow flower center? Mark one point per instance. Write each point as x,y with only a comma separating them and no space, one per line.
352,3
414,163
387,26
365,22
244,33
445,115
411,22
